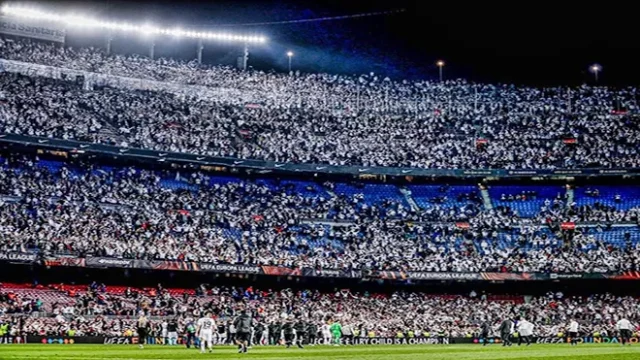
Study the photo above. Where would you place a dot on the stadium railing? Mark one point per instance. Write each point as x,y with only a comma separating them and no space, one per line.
65,148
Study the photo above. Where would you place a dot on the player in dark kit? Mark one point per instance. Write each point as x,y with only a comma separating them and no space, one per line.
243,324
485,328
257,334
505,332
287,329
190,335
222,334
275,328
301,332
143,330
172,329
312,333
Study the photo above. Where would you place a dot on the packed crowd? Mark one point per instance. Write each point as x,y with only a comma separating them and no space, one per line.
97,312
368,121
90,210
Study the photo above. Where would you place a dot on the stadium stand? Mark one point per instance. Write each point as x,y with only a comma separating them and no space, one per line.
80,207
422,125
58,207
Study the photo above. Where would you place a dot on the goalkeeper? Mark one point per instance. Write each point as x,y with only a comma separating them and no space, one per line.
336,332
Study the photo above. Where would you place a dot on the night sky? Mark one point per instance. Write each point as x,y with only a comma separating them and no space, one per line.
534,43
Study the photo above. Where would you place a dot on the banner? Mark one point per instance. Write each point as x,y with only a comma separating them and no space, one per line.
176,265
554,276
332,273
443,276
401,341
627,275
65,261
36,29
240,269
393,275
558,340
172,265
109,262
128,340
499,276
281,271
463,225
583,340
169,265
18,257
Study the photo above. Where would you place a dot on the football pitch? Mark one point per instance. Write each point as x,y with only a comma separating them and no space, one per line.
432,352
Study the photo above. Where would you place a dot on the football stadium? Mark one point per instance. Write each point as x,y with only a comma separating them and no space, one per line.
182,191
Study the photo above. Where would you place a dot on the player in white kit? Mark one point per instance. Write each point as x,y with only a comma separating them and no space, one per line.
206,327
326,334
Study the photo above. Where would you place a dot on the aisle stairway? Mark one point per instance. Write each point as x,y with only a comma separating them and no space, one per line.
407,196
486,198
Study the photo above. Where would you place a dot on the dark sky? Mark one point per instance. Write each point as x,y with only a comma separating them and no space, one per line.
538,43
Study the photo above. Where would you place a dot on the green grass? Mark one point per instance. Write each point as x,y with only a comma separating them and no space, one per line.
431,352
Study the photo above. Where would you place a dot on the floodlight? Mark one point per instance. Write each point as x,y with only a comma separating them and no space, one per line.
79,21
148,29
76,20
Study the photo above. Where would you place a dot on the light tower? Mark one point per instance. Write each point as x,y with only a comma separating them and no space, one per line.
440,64
595,69
289,55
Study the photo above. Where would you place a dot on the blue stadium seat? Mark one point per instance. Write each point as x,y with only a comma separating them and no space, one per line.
532,205
629,195
448,196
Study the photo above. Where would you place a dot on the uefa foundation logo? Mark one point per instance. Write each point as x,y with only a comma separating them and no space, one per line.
489,341
58,341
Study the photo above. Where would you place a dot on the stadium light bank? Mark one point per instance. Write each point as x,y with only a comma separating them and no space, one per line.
81,21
